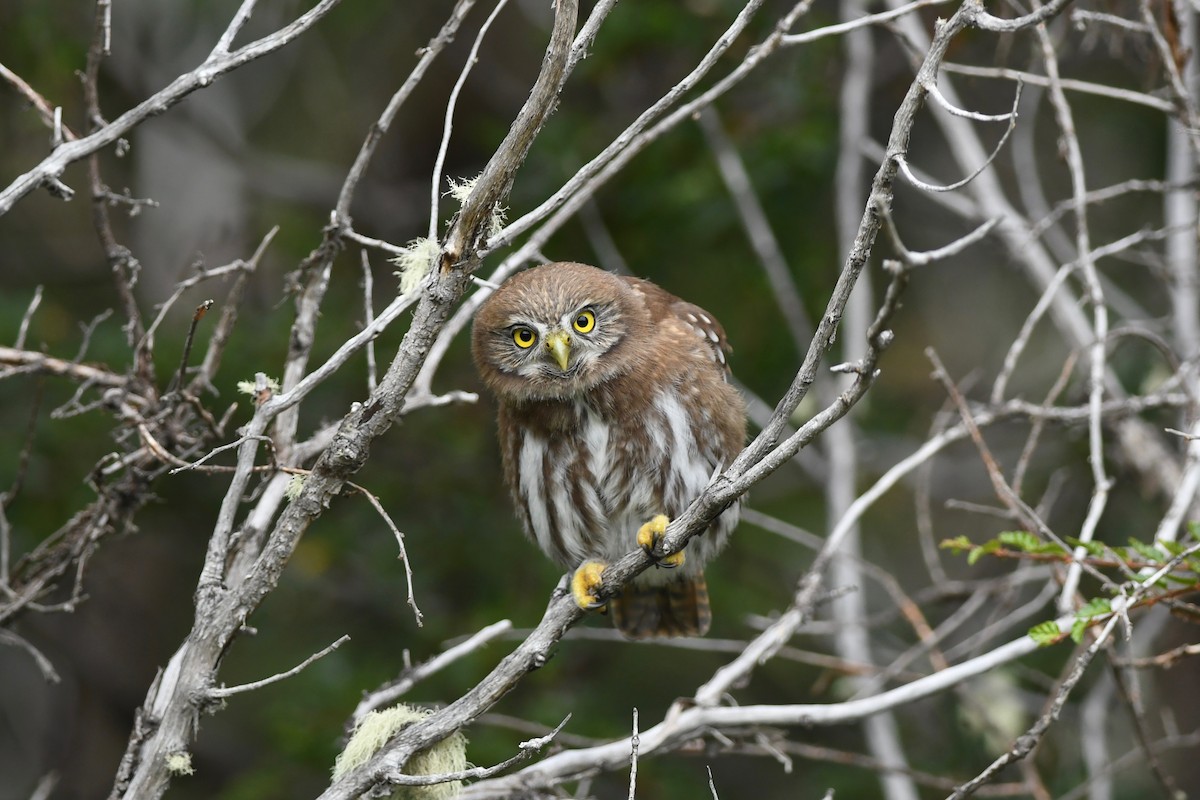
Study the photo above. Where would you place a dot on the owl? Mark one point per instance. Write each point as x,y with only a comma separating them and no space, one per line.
615,412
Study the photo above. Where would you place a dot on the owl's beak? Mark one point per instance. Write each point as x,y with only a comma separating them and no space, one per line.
559,345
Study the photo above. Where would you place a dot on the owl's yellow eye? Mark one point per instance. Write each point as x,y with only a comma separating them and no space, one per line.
584,321
524,337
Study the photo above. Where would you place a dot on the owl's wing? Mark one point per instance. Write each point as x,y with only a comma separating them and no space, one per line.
706,326
666,306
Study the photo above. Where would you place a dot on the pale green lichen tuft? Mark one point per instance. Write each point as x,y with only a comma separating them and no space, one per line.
294,487
415,260
251,388
460,190
180,763
448,755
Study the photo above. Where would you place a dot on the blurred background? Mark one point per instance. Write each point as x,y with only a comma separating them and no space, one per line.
269,145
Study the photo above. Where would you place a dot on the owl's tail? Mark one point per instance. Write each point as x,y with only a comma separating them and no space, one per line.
677,608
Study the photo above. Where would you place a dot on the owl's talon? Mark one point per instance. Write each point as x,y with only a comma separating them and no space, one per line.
648,537
672,561
584,583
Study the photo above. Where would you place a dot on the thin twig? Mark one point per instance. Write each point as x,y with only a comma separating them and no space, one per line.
368,284
28,317
528,749
902,161
427,55
1127,690
234,28
1025,743
221,449
1004,491
46,110
1096,348
1164,660
51,167
197,315
435,183
226,691
392,691
408,574
634,741
919,259
45,666
1083,87
1187,743
712,786
29,361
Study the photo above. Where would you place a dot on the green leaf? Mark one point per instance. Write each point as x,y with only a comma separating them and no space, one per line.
1094,549
1193,528
1096,607
1173,548
958,544
1020,540
1148,552
982,550
1045,633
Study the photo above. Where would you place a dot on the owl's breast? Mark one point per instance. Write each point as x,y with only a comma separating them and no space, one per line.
585,488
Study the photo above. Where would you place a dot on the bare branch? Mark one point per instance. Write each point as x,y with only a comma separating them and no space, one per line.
427,54
393,691
527,750
435,188
51,167
44,664
902,161
368,284
685,722
220,692
408,575
1068,84
633,757
50,114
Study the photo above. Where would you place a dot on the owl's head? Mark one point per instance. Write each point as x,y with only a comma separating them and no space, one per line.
556,331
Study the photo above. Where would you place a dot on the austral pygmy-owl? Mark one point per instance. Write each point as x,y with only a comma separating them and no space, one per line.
614,413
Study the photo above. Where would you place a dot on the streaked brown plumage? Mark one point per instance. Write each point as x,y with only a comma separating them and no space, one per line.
614,408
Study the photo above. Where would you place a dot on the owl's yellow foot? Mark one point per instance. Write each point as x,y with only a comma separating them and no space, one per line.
650,534
585,583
